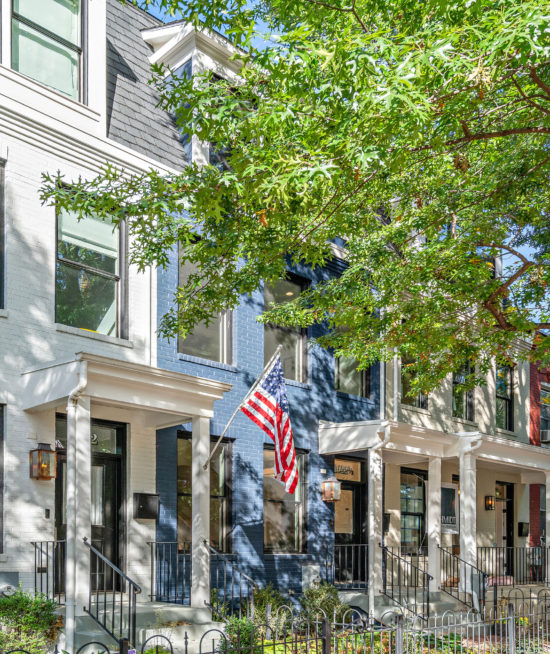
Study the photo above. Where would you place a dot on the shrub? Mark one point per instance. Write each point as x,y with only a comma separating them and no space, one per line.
263,597
28,622
323,598
241,636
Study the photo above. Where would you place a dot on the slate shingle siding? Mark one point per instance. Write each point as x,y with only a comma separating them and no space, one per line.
133,119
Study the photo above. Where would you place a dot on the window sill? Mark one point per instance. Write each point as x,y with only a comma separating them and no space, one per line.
297,384
4,313
75,331
464,421
505,432
415,409
206,362
350,396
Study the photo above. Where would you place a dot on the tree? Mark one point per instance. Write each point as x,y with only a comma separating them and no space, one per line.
417,132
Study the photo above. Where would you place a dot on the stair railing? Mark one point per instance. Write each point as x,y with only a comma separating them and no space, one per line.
49,569
232,591
170,571
461,580
405,583
112,597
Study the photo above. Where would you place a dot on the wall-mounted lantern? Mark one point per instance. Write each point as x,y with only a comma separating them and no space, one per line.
330,489
42,462
490,502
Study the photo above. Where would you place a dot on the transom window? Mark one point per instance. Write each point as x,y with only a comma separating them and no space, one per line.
505,397
293,353
348,379
545,409
463,400
413,510
420,400
46,43
212,341
220,495
284,514
88,282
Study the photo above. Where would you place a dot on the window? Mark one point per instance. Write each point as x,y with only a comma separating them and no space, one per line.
88,274
46,43
420,400
220,495
2,223
504,400
293,354
348,379
212,341
545,409
463,400
284,514
413,510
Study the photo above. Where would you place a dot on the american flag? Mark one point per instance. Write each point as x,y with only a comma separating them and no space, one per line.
267,406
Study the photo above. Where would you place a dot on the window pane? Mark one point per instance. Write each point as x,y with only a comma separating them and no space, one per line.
62,17
291,353
544,408
419,400
217,523
105,439
184,465
98,506
91,241
45,60
281,292
184,519
85,300
502,413
503,381
347,378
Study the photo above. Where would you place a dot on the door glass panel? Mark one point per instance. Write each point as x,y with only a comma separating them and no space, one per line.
105,439
343,513
98,506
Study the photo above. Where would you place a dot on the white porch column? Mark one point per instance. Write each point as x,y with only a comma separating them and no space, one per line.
434,521
200,508
374,524
468,508
78,498
547,526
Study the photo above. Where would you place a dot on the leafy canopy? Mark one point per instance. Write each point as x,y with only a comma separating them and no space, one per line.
418,132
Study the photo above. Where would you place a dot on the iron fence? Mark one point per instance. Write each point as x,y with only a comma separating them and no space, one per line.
349,566
514,566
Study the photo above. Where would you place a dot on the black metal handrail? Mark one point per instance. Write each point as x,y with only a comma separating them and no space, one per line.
170,571
462,580
350,566
107,603
49,569
514,566
232,591
405,583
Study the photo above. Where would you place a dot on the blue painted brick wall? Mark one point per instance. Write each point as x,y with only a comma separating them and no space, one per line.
308,404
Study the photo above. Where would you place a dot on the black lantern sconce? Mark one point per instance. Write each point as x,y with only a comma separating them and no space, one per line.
490,502
330,489
42,462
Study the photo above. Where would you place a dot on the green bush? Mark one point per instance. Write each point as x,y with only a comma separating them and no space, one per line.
323,597
241,636
263,597
28,622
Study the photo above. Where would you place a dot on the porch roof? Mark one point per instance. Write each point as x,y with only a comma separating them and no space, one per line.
165,397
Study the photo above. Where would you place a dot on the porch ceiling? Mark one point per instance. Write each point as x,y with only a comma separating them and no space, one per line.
166,397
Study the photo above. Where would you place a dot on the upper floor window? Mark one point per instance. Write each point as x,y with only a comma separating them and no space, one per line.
420,399
294,341
88,274
545,409
505,397
284,514
348,379
212,341
463,400
46,42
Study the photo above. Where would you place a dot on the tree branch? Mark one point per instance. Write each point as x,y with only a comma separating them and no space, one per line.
528,100
538,81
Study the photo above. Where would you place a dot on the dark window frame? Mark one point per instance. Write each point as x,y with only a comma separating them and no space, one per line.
121,279
303,283
544,408
508,400
303,482
227,444
420,400
468,395
421,549
366,380
81,50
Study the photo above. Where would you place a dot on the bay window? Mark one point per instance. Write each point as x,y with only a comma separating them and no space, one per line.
47,43
284,514
88,274
505,397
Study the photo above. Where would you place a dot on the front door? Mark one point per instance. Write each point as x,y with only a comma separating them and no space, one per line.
107,494
504,516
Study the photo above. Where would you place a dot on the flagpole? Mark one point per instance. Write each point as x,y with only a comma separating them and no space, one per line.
264,372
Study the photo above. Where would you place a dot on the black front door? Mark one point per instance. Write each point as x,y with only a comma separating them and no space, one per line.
107,495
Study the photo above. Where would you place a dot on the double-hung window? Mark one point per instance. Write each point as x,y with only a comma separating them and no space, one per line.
505,397
420,399
90,257
413,510
284,514
293,341
47,43
463,400
545,411
220,495
348,379
212,341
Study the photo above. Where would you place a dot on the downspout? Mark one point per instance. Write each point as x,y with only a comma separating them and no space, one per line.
71,535
371,508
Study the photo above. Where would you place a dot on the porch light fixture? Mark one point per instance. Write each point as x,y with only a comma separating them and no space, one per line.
42,462
330,489
490,502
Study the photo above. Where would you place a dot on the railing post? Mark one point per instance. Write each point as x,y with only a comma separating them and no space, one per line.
326,637
124,646
511,630
399,635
